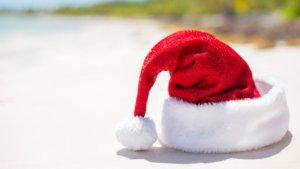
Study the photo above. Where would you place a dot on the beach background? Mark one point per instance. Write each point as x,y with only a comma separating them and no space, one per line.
69,73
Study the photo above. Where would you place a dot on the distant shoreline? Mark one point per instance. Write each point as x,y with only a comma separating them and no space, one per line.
246,22
229,23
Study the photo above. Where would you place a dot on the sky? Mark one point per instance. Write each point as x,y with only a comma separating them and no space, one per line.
46,4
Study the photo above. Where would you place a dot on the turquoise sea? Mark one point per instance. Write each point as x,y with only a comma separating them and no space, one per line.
49,4
40,23
34,24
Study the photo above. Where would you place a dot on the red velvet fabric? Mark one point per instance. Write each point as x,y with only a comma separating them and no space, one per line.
202,69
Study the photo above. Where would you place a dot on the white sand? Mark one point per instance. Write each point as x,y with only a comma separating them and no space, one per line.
62,92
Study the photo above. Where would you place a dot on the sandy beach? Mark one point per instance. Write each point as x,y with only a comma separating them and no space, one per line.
63,90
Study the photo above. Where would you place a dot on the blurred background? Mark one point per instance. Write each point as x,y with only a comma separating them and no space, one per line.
263,22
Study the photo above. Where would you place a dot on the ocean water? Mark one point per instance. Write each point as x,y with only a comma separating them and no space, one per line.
10,24
40,23
50,4
45,4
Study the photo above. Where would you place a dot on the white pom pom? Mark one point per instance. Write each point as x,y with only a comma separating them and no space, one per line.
136,133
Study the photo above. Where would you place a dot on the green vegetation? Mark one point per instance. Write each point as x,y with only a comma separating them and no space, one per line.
172,8
290,9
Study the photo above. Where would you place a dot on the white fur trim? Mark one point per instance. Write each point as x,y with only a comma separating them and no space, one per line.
230,126
136,133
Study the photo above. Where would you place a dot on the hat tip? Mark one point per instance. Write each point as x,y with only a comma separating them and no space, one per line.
136,133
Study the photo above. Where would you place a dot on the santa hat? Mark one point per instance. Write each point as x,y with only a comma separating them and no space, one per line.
214,104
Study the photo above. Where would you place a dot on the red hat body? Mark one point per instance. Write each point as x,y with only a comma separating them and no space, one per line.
202,70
